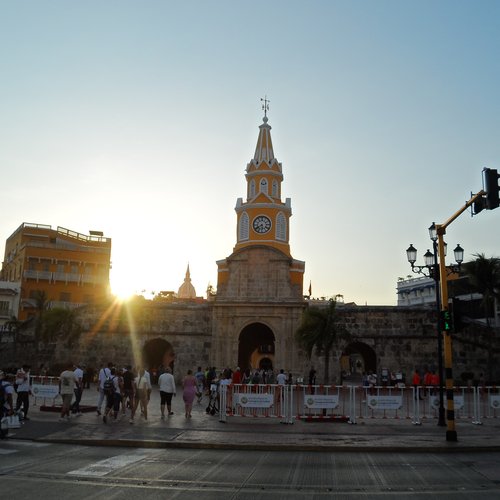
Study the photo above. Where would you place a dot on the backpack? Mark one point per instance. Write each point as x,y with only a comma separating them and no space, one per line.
109,387
2,396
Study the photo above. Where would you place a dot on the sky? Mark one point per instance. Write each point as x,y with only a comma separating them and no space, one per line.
138,118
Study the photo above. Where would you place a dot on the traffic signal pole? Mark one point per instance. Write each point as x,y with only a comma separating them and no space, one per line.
451,433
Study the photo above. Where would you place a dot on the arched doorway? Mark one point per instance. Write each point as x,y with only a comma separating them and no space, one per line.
357,358
158,353
256,347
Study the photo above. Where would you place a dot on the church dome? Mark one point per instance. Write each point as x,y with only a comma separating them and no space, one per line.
186,290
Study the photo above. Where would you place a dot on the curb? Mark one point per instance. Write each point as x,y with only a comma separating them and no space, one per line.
152,444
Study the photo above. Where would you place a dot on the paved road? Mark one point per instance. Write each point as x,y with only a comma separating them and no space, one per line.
47,471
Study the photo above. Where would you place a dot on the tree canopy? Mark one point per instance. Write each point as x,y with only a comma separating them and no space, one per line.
320,331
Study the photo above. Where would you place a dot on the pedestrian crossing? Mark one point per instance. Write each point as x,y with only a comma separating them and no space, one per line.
108,465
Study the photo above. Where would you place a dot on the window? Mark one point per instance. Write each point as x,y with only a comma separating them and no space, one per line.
251,191
281,227
244,227
275,189
4,305
263,186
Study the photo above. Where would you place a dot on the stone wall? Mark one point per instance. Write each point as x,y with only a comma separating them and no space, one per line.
208,333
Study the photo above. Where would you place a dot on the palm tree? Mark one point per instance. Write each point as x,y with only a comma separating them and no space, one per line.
320,331
484,277
41,305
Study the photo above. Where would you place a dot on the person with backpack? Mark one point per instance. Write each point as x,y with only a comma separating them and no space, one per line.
6,401
104,374
113,388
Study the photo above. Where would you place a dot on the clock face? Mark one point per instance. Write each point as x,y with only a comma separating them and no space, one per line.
261,224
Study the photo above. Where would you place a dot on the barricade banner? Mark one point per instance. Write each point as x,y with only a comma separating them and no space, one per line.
320,402
458,402
385,402
255,400
495,402
45,391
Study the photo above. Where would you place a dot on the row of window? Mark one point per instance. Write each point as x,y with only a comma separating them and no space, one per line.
63,296
263,188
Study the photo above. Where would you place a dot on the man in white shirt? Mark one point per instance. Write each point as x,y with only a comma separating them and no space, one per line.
143,391
23,390
104,374
281,378
167,390
67,381
75,407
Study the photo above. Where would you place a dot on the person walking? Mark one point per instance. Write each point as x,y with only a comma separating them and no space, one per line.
128,397
67,381
114,397
188,394
75,407
143,391
104,374
23,390
167,391
6,401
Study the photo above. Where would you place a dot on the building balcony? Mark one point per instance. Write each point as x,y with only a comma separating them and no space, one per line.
38,275
6,313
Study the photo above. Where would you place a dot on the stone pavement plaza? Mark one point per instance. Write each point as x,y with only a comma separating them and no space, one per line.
206,431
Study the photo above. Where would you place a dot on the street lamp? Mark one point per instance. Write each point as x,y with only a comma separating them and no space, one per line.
431,270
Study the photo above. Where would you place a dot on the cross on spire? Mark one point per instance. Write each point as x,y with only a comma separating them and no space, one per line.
265,106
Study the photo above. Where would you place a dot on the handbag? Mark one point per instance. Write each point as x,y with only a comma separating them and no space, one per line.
13,422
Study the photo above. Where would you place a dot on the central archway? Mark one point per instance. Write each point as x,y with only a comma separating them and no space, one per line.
256,347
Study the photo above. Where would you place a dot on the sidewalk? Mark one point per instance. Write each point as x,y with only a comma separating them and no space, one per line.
205,431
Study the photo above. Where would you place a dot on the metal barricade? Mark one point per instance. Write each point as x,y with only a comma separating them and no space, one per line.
255,401
322,402
464,402
44,389
385,402
488,402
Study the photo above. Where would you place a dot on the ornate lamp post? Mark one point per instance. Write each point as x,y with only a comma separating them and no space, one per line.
431,270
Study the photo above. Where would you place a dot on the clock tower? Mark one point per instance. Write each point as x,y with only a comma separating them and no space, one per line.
263,218
259,301
262,234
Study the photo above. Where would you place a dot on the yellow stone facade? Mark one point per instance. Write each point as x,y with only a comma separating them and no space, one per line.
70,268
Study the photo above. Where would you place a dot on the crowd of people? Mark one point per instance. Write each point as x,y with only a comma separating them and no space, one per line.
127,391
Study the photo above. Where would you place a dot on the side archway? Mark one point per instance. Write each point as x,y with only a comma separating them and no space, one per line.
158,353
357,358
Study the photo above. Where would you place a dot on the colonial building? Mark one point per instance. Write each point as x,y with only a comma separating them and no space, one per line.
60,266
250,319
9,302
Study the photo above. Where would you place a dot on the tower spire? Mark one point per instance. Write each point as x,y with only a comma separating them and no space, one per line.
265,106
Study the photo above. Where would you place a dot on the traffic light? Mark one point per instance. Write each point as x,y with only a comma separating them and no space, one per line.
446,321
491,187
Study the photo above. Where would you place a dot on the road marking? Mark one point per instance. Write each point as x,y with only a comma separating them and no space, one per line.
31,444
106,466
3,451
